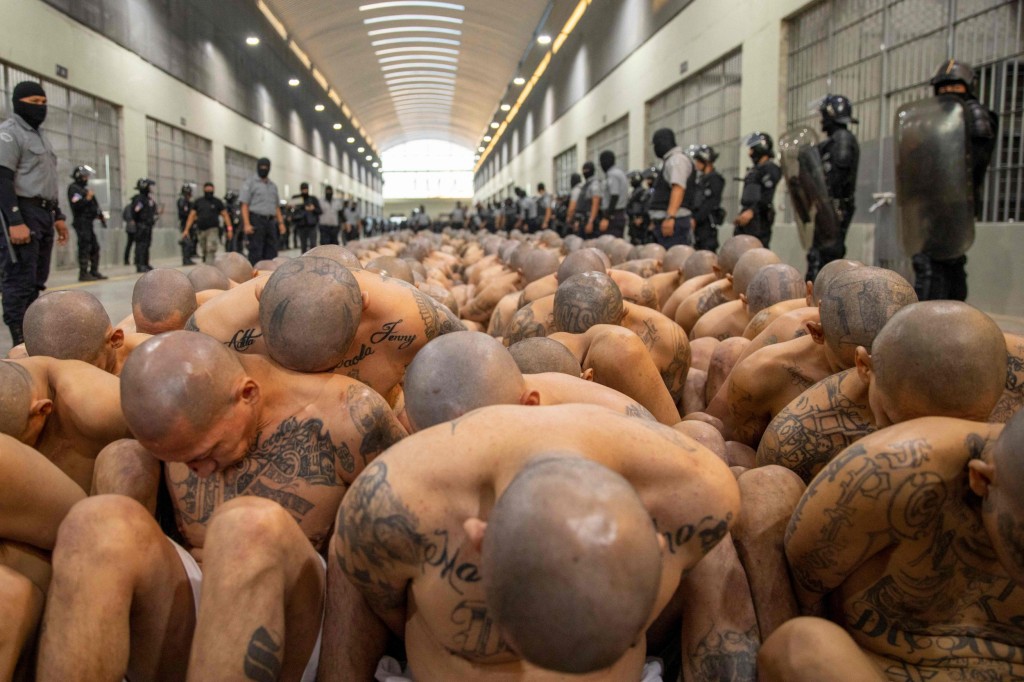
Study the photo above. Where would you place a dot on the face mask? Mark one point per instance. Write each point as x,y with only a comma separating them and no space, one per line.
588,173
329,195
263,171
664,140
145,190
607,161
34,114
208,195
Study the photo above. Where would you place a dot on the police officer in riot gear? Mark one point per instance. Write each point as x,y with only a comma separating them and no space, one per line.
235,240
184,209
840,156
144,213
85,210
757,212
947,279
675,192
708,214
636,208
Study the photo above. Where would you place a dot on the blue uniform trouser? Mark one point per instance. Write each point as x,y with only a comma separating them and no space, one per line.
682,235
263,240
22,281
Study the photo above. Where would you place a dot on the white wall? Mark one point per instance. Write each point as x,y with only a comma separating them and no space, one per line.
101,68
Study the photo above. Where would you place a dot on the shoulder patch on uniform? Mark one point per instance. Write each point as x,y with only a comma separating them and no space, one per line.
6,137
767,182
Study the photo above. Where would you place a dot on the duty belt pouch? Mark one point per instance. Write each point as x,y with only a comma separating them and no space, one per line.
130,227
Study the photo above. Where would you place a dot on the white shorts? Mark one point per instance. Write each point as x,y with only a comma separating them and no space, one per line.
195,579
390,670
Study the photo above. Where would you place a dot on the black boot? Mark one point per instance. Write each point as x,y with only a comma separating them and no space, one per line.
85,276
96,274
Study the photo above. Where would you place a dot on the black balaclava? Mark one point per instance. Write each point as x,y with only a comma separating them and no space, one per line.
607,160
664,140
34,114
328,193
575,179
588,170
263,167
208,191
304,189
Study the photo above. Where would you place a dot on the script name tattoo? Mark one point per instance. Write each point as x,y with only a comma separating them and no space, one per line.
243,339
387,333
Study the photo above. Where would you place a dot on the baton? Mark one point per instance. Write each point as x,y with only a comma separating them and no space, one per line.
7,238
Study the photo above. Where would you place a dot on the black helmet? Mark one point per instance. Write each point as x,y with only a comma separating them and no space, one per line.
186,188
82,173
649,173
951,72
837,109
635,178
143,183
761,143
707,154
231,196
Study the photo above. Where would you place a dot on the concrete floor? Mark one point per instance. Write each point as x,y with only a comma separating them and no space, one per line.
116,294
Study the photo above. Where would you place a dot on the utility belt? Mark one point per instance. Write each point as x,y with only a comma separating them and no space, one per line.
263,215
662,214
45,204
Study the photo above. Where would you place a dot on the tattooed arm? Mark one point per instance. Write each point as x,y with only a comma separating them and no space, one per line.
876,493
375,422
378,544
437,318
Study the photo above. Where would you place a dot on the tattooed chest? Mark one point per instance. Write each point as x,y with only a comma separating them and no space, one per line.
298,466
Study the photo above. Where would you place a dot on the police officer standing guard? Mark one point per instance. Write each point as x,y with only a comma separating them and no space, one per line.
673,194
636,208
613,197
28,198
840,156
188,246
206,214
938,278
710,184
84,211
144,211
757,214
261,210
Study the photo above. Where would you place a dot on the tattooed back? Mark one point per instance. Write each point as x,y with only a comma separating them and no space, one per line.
402,543
893,529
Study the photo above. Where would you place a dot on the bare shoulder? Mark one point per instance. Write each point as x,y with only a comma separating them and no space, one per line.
942,444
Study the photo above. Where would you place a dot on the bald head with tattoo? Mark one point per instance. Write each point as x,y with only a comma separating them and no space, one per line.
773,284
571,565
585,300
540,354
338,254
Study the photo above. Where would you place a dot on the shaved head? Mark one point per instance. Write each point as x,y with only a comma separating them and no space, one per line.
235,266
457,373
676,257
539,355
309,312
749,265
585,300
571,565
774,284
15,398
67,325
572,243
578,262
655,251
733,249
828,273
391,266
205,277
539,263
338,254
266,266
939,358
177,383
1005,522
700,263
618,252
162,301
857,304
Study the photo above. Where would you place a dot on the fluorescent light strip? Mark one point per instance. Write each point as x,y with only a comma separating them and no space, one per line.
274,21
419,99
424,39
420,79
408,57
422,107
399,76
412,3
418,29
399,50
412,17
422,90
419,65
447,96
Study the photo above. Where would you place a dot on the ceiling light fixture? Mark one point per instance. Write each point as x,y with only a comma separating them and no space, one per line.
294,82
487,138
495,125
319,107
350,140
505,107
375,164
414,57
361,149
544,39
252,41
418,29
480,149
412,17
337,126
412,3
420,39
419,65
369,158
519,80
400,50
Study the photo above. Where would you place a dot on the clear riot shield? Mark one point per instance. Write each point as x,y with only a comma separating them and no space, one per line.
805,180
934,193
